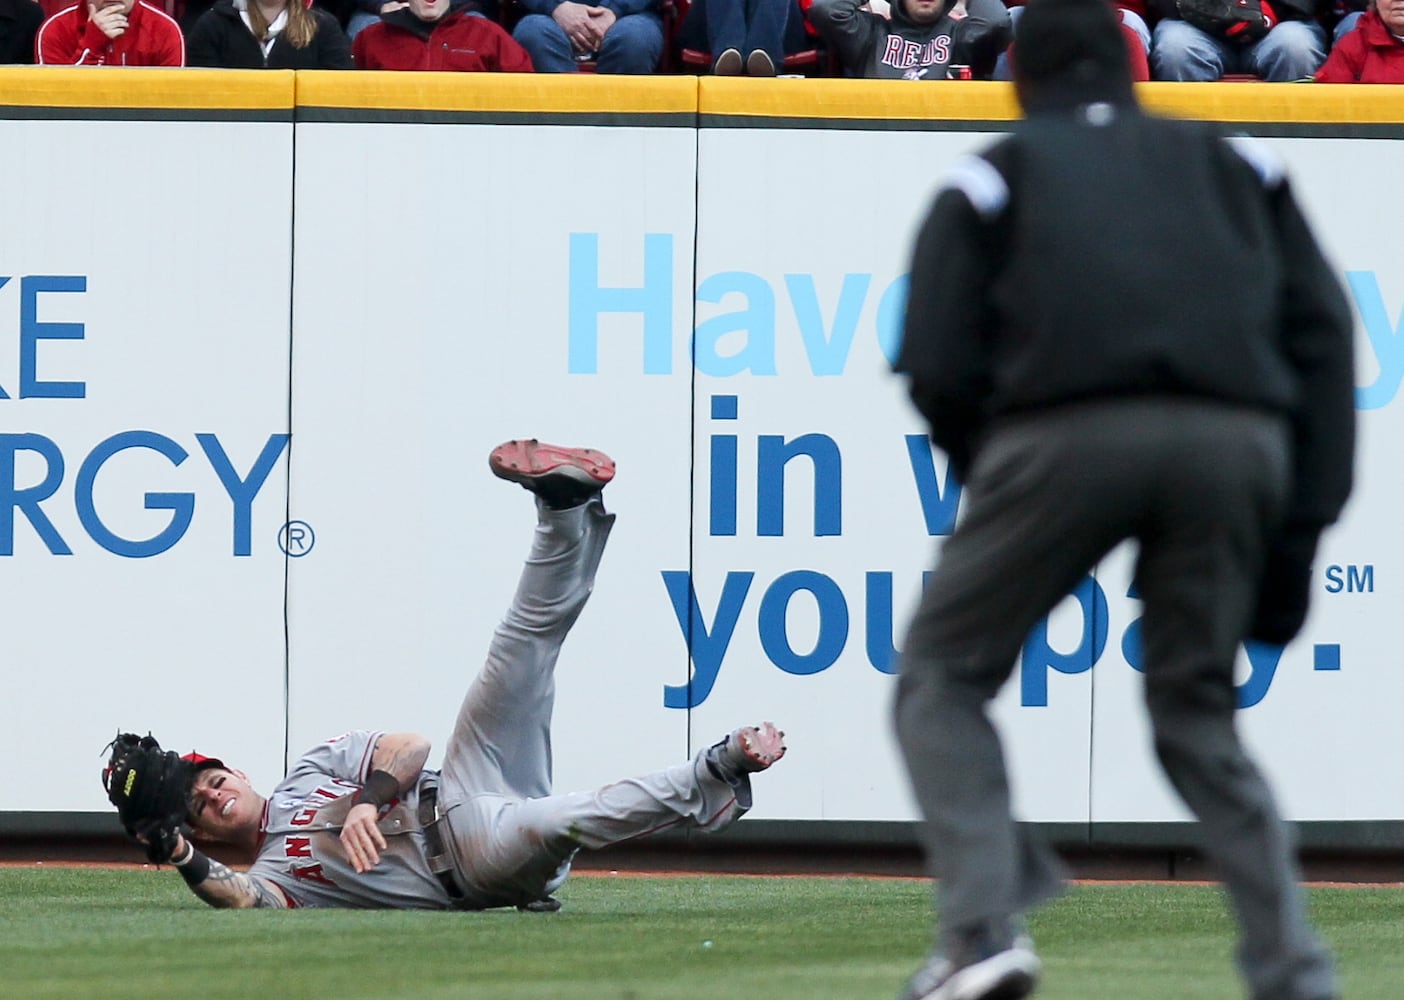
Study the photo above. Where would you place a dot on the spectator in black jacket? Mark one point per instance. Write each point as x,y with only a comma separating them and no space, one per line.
19,23
913,39
1196,397
254,34
1284,43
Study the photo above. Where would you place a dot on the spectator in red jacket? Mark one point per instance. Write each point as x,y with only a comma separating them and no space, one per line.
428,35
1372,52
110,33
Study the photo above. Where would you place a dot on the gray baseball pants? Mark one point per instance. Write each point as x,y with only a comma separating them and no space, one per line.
512,839
1198,485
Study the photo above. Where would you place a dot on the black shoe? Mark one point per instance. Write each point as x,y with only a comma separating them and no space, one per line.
980,969
548,905
561,477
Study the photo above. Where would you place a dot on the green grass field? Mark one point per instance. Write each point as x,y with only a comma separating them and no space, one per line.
76,933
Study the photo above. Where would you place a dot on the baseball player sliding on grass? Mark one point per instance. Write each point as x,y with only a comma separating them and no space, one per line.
358,822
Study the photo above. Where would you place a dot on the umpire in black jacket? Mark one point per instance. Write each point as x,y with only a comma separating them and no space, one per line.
1120,327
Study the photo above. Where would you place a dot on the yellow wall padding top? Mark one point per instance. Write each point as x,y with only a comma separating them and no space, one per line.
873,100
501,92
111,87
973,100
804,100
1329,103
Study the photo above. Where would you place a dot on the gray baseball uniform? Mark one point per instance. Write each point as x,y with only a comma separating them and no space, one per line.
508,840
300,848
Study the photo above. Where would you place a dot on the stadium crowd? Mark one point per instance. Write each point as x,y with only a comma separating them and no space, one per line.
1336,41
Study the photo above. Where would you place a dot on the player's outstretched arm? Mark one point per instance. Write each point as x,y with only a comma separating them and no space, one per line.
222,886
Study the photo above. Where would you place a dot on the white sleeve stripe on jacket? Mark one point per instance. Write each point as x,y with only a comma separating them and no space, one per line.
982,185
39,49
1269,168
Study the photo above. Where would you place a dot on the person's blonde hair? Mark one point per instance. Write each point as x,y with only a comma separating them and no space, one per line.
301,29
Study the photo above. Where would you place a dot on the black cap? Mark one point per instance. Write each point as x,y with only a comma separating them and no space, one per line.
1070,51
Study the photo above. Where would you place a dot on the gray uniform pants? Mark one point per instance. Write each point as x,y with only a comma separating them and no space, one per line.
512,839
1197,485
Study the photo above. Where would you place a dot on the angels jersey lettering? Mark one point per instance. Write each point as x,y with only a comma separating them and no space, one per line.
300,847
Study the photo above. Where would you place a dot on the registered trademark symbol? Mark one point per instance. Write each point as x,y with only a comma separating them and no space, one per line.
296,539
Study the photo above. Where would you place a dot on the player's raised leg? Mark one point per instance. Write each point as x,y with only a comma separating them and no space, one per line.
710,792
501,741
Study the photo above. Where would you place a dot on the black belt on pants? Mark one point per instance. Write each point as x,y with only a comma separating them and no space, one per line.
439,858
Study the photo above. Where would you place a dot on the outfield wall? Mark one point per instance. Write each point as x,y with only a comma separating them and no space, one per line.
258,332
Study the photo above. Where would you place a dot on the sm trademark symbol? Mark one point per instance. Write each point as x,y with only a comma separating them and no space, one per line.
296,539
1350,579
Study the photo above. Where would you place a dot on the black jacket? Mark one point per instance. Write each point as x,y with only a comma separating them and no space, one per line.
19,23
1286,10
221,39
1099,252
898,48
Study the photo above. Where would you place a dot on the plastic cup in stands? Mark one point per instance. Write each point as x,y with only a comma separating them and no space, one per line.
958,73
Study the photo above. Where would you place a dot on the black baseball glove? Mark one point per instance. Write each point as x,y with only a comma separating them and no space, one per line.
150,788
1240,21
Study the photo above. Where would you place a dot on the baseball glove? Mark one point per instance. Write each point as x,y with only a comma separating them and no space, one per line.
150,788
1241,21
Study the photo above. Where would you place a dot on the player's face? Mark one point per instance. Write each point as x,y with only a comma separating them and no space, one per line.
1392,14
429,10
924,11
223,804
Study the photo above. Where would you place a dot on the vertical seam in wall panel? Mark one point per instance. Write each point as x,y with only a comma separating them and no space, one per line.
287,510
1092,717
692,419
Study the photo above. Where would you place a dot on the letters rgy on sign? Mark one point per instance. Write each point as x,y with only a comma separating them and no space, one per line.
35,467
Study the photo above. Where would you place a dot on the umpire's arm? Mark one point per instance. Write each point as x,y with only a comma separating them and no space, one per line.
949,320
1318,334
1317,338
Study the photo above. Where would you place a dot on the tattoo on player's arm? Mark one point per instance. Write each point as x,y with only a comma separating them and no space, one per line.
228,889
401,755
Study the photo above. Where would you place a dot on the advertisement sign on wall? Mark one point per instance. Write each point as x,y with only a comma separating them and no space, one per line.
143,443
